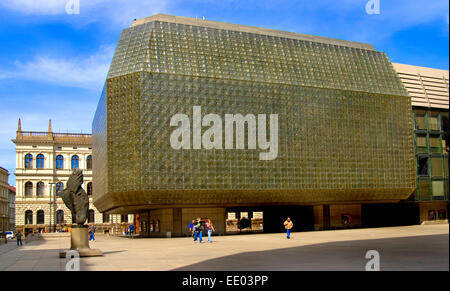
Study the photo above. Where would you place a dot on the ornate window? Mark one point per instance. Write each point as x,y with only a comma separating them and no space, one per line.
75,162
124,217
28,189
60,162
60,216
105,218
40,217
28,217
40,161
91,217
89,189
89,163
59,187
40,189
28,161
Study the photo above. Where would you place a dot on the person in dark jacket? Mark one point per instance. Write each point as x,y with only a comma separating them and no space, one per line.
19,238
198,230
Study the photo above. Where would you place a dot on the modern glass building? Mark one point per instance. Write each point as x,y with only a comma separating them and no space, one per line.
228,122
429,91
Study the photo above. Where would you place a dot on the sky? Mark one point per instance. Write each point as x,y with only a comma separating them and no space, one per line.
55,54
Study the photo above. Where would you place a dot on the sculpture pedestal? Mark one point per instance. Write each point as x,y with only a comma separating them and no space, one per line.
79,241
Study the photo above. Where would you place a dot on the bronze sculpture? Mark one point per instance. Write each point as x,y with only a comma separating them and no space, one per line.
75,198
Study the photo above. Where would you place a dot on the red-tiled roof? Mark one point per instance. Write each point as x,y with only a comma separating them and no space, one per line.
12,188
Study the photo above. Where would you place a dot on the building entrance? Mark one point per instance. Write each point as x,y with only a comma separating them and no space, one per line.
268,219
301,216
389,214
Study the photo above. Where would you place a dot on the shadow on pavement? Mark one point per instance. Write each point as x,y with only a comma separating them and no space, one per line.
113,252
430,252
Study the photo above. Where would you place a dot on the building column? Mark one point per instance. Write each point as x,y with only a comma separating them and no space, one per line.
321,217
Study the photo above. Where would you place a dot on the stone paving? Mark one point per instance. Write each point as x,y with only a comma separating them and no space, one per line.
424,247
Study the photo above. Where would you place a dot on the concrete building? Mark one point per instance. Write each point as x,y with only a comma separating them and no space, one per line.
44,161
12,208
223,121
4,207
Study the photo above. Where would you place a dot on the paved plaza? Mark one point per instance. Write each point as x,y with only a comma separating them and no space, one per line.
424,247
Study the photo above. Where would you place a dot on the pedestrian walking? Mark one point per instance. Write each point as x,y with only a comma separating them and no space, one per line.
91,233
198,230
210,228
19,238
131,230
191,227
288,224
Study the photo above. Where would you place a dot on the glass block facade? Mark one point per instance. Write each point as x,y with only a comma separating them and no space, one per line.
431,150
345,120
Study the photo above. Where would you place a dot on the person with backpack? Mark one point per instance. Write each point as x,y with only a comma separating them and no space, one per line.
191,227
198,231
210,229
288,224
91,233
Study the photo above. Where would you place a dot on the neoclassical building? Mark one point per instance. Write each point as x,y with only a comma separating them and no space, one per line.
12,208
44,162
4,207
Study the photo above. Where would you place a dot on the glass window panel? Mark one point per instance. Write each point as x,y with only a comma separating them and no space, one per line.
75,162
433,123
421,141
28,217
425,192
40,162
28,161
420,122
59,162
422,166
436,167
435,141
446,166
438,188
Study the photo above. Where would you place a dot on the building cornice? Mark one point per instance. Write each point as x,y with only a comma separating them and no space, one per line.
29,137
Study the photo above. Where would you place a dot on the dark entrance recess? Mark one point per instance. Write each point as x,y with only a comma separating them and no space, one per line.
390,214
301,216
274,217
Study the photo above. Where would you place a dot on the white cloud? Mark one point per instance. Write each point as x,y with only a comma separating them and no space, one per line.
121,12
77,71
35,6
341,16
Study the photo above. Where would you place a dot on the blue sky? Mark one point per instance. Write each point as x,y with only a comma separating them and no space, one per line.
53,64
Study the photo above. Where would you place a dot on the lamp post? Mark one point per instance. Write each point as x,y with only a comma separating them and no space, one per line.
51,202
